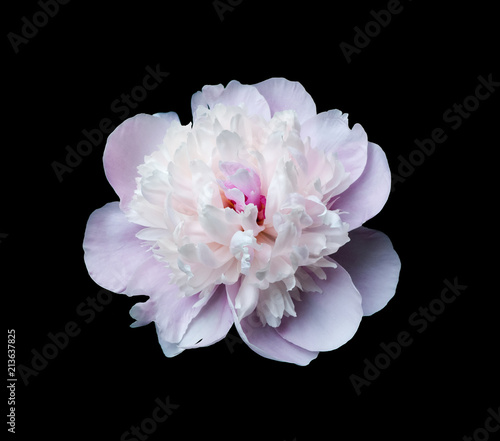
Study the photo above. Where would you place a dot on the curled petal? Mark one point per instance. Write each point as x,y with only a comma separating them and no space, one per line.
212,218
242,247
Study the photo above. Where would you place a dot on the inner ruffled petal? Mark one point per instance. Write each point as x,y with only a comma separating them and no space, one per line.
242,187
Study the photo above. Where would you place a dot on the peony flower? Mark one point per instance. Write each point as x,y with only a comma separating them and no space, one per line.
250,215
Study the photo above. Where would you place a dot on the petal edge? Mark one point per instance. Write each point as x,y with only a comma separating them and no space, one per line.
373,265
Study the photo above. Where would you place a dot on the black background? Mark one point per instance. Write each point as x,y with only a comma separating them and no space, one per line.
441,219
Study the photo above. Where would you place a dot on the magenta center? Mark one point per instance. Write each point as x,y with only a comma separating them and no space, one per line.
242,187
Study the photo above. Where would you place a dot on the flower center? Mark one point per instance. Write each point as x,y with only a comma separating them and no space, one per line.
241,188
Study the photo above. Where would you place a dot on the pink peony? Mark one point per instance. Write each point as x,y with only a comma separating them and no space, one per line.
251,215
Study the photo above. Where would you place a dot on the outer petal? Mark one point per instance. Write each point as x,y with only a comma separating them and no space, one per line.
373,266
211,324
330,132
126,148
366,197
180,324
171,312
235,94
264,340
169,349
282,94
112,252
325,320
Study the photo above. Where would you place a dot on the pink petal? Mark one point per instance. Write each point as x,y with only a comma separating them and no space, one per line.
264,340
241,177
181,322
328,319
282,94
112,252
373,266
235,94
211,324
244,179
366,197
330,132
171,312
126,148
